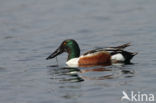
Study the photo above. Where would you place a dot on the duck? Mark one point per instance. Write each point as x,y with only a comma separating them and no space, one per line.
100,56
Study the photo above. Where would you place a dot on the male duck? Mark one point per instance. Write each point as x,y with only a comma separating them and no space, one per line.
102,56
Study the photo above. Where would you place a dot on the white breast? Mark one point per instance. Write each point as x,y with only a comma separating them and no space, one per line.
73,62
118,57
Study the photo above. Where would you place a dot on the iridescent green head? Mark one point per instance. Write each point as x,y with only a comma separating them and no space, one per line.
70,46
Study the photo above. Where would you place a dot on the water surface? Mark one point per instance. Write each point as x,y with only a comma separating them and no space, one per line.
31,29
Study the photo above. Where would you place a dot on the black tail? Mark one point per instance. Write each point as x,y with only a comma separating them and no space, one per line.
128,55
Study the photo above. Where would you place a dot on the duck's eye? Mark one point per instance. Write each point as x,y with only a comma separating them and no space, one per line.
64,43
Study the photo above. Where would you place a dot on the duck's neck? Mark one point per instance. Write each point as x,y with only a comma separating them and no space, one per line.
73,52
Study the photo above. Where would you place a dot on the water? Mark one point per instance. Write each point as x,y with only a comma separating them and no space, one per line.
31,29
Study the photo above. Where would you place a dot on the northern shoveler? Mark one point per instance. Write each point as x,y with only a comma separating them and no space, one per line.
100,56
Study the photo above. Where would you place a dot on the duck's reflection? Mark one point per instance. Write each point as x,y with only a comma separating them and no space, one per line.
99,69
64,74
68,74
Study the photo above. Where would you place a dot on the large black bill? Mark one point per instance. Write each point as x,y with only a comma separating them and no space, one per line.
55,53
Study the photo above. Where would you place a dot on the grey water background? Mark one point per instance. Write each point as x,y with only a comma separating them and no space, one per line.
32,29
